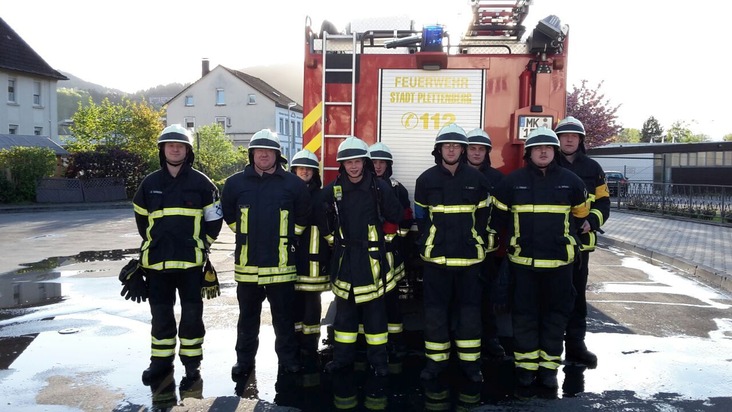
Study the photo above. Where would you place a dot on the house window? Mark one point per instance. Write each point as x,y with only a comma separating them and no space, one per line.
220,98
11,91
222,121
13,129
282,126
36,93
189,101
189,122
252,99
37,131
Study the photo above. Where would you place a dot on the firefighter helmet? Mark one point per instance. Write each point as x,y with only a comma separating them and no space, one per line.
176,133
570,125
305,158
380,151
352,148
451,133
479,136
265,139
541,136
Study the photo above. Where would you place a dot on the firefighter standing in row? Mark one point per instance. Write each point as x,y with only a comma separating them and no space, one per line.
313,253
383,161
178,215
356,206
571,133
455,198
479,157
543,204
268,209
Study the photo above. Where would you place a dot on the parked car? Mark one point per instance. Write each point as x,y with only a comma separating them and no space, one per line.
616,181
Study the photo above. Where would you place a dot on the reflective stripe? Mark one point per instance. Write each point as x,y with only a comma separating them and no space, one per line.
311,329
191,352
345,337
395,327
299,230
549,357
468,357
162,353
526,356
550,365
284,241
540,209
243,229
532,366
453,208
500,205
169,341
438,357
437,345
349,402
191,342
139,210
375,404
457,262
470,343
598,214
377,338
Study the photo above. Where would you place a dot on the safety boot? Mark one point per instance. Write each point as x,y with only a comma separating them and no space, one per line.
156,371
336,367
193,371
492,349
578,353
380,370
431,371
547,378
241,370
524,377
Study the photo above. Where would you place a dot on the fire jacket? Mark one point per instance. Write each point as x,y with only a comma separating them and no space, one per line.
494,176
267,213
457,207
353,222
395,236
594,177
177,217
543,212
313,252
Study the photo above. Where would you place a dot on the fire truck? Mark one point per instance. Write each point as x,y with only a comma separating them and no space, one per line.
400,84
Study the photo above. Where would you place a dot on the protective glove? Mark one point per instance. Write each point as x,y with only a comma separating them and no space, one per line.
134,284
210,287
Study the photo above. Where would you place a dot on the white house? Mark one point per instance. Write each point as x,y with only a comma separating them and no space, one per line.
242,104
29,86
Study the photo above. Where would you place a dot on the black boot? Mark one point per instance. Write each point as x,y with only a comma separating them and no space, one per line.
492,349
193,371
524,377
473,373
547,378
431,371
577,353
156,371
241,370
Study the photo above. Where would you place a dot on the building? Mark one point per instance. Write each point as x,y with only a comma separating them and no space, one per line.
242,104
29,86
708,163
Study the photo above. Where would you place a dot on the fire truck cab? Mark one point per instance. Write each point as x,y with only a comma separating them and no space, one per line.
400,85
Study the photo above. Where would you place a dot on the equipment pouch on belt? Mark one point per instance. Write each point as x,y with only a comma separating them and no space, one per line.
134,284
210,287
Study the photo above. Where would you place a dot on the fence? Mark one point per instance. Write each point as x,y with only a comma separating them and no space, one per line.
60,190
701,202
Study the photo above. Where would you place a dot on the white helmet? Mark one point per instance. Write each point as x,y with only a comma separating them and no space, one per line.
176,133
352,148
380,151
479,136
266,139
305,158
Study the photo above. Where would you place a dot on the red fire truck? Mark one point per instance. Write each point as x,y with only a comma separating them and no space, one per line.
400,85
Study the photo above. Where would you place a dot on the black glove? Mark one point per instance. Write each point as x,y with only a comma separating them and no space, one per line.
134,284
210,288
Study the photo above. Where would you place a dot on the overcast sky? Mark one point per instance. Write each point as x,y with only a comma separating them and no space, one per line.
656,57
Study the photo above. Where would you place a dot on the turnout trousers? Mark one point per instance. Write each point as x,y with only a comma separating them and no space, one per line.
452,294
307,313
577,325
372,315
280,297
541,305
163,286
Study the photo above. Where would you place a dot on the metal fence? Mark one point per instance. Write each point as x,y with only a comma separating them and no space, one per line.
60,190
701,202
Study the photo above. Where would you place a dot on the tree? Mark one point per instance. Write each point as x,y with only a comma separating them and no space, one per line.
680,133
652,130
595,113
628,136
727,138
215,155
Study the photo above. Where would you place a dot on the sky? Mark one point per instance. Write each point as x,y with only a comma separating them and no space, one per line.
654,57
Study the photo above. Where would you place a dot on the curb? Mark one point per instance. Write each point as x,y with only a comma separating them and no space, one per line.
46,207
708,275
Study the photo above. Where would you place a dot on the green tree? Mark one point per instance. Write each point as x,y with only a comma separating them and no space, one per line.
628,136
727,138
680,133
215,154
595,112
25,166
652,130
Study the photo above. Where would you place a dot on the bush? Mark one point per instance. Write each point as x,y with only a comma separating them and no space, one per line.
26,165
109,163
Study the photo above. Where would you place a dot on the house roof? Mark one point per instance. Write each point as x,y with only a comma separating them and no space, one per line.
17,55
8,141
259,85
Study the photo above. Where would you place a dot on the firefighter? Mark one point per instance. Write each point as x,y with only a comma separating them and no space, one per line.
455,198
268,210
312,258
383,160
571,135
357,206
543,204
178,215
479,151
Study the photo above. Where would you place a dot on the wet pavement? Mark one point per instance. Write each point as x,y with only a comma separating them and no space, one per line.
69,342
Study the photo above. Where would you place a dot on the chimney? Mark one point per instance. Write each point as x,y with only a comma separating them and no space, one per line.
204,67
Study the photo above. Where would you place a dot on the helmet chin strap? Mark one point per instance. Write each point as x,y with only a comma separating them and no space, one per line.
174,163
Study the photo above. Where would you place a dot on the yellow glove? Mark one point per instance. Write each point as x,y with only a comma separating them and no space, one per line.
210,288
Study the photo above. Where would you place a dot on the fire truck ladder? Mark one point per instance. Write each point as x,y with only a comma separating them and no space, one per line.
498,18
326,103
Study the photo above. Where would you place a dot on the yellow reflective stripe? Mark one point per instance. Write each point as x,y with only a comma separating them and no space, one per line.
437,395
590,245
313,280
345,337
485,202
403,232
540,209
377,338
168,341
299,230
389,237
369,296
526,356
395,327
469,343
532,366
456,262
546,356
500,205
321,287
429,243
469,398
162,353
452,208
173,264
314,246
598,214
191,352
438,357
420,204
264,280
375,404
265,271
349,402
311,329
550,365
298,326
232,226
468,357
441,346
139,210
329,238
191,342
244,229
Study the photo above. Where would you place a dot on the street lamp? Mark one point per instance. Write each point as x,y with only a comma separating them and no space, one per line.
290,129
